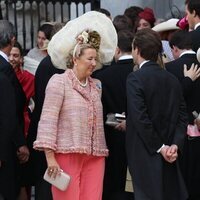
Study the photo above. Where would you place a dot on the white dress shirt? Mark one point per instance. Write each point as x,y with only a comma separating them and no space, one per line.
4,55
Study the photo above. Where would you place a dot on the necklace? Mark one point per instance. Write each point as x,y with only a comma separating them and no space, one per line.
81,84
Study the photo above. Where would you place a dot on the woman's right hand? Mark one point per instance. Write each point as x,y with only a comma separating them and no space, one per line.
53,166
193,72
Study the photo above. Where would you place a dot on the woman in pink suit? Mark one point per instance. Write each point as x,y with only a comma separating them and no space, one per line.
71,129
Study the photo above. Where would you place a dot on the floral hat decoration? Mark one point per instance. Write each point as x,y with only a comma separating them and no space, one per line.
92,27
88,37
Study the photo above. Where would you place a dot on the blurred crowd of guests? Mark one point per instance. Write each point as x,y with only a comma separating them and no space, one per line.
50,114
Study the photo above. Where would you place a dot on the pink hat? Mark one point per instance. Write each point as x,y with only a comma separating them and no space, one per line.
148,15
183,23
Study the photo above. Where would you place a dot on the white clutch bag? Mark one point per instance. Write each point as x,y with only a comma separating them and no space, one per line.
61,181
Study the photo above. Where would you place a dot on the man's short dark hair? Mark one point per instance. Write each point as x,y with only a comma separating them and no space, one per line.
181,39
148,43
122,22
7,33
125,39
193,5
132,13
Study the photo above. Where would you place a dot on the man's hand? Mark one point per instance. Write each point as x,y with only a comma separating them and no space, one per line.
170,153
23,154
121,126
193,73
163,152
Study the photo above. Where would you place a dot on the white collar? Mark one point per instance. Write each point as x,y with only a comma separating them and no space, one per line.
141,64
4,55
187,52
125,57
196,26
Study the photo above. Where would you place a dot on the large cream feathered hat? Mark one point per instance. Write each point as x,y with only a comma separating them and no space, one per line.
64,41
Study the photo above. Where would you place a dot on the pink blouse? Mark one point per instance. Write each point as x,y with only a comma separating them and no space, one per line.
72,118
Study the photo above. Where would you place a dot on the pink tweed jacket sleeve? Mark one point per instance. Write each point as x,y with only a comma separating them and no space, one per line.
47,127
72,118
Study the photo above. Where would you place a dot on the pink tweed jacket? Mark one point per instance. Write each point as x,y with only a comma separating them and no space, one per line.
72,118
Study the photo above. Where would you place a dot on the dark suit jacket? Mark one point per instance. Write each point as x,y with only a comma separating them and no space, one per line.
7,130
156,116
195,38
95,73
20,99
190,89
190,160
113,80
44,72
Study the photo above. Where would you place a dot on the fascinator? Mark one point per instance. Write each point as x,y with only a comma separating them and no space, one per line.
64,41
183,23
148,15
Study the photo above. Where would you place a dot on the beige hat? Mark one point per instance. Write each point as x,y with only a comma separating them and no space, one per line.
168,25
64,41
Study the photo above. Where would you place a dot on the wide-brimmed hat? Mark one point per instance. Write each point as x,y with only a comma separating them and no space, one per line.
64,41
168,25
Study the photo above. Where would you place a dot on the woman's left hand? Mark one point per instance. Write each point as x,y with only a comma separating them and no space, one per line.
54,170
53,166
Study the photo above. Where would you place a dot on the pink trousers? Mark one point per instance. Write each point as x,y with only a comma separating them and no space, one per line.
86,173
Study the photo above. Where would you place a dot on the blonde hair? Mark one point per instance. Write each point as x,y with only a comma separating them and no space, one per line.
85,40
